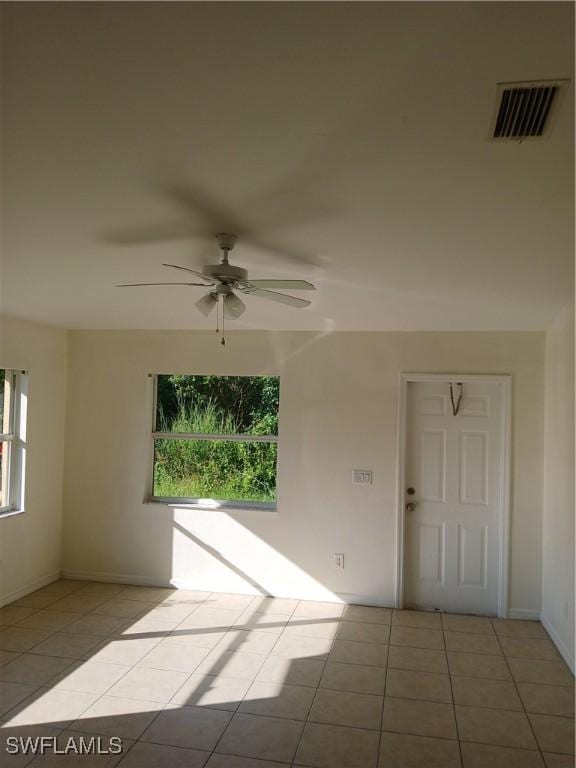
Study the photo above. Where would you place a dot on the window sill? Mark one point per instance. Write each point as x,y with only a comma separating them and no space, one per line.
8,512
213,505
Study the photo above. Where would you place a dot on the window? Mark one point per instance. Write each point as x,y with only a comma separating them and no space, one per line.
13,402
216,438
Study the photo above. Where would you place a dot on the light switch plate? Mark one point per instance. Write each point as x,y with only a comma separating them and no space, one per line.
362,476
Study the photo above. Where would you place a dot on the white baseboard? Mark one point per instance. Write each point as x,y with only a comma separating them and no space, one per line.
130,578
528,614
116,578
195,586
207,587
351,598
32,586
566,653
143,581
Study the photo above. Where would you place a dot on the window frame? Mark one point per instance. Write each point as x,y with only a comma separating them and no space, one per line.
14,459
199,503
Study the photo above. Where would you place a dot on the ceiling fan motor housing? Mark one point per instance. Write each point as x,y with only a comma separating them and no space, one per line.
225,272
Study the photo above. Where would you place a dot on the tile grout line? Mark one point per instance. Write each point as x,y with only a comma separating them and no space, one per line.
162,707
359,727
532,731
452,694
268,654
378,754
138,739
232,714
317,687
227,628
398,733
100,696
324,663
251,682
342,690
131,667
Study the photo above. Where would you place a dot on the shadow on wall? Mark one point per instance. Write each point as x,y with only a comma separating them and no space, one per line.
243,551
288,553
213,552
206,538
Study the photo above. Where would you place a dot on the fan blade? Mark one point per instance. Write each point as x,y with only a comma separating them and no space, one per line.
233,306
194,272
207,303
281,298
294,285
138,285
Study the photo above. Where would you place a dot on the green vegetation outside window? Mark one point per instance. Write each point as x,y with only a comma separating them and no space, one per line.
216,437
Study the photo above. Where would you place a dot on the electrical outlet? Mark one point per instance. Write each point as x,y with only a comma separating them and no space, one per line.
339,562
362,476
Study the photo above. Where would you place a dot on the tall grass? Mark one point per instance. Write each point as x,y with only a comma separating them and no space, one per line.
217,469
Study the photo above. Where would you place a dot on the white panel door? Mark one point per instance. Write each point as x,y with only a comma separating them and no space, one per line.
453,494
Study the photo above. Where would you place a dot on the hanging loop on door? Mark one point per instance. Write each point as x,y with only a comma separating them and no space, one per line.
455,405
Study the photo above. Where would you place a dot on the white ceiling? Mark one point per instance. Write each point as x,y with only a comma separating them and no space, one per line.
349,140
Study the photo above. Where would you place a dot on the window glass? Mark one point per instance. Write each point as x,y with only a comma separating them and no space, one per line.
215,469
218,404
2,377
3,479
241,412
12,439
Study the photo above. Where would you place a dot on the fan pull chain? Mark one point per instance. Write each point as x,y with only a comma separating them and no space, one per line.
222,340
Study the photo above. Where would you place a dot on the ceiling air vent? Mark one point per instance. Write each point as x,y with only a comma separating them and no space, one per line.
524,110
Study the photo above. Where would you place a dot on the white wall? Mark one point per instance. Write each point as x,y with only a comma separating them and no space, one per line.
30,543
338,411
558,518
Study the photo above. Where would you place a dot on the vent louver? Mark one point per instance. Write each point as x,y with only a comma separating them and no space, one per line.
524,110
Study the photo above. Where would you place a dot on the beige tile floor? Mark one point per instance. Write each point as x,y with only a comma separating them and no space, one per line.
232,681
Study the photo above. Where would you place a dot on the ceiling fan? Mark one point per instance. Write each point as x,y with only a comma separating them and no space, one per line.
224,278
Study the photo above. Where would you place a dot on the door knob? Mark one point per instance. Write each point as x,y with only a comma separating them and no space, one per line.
410,507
